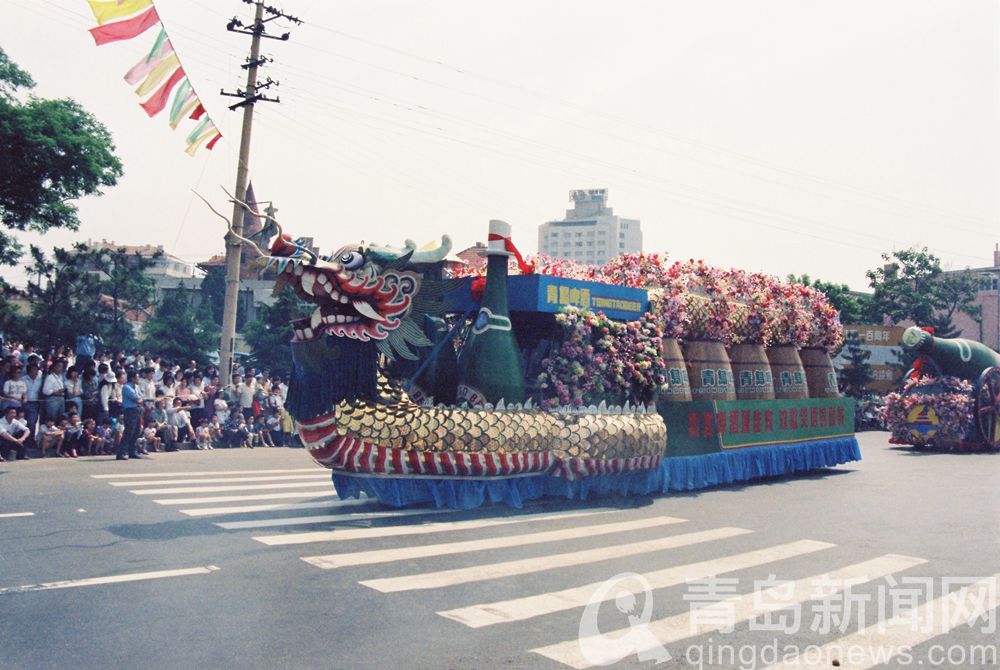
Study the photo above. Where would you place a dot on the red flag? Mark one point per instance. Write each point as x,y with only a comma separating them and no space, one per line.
158,100
127,29
208,147
198,111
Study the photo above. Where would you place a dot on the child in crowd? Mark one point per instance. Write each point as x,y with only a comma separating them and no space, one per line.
151,438
274,428
75,443
52,438
236,432
260,431
203,436
215,429
92,438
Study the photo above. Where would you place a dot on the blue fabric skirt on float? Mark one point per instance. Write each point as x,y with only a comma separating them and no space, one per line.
675,473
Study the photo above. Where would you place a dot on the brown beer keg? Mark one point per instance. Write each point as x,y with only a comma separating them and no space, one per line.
751,372
678,388
820,374
709,373
789,375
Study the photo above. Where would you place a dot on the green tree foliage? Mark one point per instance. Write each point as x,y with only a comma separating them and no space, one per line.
912,286
54,152
86,290
270,334
178,331
213,293
856,373
123,279
63,298
853,308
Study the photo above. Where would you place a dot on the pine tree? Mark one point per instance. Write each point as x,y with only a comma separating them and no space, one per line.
269,336
180,332
856,372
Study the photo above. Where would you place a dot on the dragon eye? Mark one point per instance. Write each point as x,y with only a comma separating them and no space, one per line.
352,260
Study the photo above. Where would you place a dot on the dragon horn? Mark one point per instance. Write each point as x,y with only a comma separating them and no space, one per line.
228,224
432,254
387,254
252,211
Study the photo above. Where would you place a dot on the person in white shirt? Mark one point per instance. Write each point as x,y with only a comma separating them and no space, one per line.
13,435
15,389
33,379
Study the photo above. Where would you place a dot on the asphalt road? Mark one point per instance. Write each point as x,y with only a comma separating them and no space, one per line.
177,561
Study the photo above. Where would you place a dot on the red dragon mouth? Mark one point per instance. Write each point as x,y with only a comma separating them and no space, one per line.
350,304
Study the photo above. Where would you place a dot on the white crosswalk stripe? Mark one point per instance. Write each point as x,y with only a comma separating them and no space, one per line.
326,518
477,573
246,509
220,489
879,643
325,492
519,609
208,473
422,529
224,480
737,610
426,550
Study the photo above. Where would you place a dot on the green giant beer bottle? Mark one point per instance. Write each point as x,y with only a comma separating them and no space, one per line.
957,357
489,368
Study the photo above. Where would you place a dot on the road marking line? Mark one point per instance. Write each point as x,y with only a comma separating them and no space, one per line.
222,480
330,561
322,493
204,473
737,610
220,489
309,520
114,579
476,573
243,509
416,529
519,609
11,515
881,642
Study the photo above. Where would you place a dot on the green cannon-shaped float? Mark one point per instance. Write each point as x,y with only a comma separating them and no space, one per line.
954,382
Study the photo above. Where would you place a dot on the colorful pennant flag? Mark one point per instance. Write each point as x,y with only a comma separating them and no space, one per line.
158,100
127,29
107,11
160,69
160,50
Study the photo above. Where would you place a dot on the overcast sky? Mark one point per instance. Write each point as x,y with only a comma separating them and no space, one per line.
784,136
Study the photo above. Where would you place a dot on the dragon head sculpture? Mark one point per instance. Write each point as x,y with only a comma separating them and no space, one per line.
362,292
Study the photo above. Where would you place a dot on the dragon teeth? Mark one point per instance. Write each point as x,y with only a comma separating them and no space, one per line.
367,310
317,319
308,279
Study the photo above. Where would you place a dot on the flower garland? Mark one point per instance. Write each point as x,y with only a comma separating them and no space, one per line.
693,300
950,398
600,359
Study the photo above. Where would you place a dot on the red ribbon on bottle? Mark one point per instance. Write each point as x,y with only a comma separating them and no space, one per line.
918,365
526,268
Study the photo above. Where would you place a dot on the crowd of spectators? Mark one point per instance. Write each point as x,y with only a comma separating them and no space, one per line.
69,404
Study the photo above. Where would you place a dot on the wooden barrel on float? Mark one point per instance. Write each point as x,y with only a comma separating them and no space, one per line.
821,377
751,372
709,371
789,375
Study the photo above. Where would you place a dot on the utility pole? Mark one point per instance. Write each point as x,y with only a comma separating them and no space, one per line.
250,96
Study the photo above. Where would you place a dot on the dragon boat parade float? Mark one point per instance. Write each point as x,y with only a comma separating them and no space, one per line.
950,399
417,380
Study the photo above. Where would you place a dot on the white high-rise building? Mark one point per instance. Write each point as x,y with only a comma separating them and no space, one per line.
591,232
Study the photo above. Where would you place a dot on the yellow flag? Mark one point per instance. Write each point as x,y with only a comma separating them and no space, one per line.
193,147
115,9
162,69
